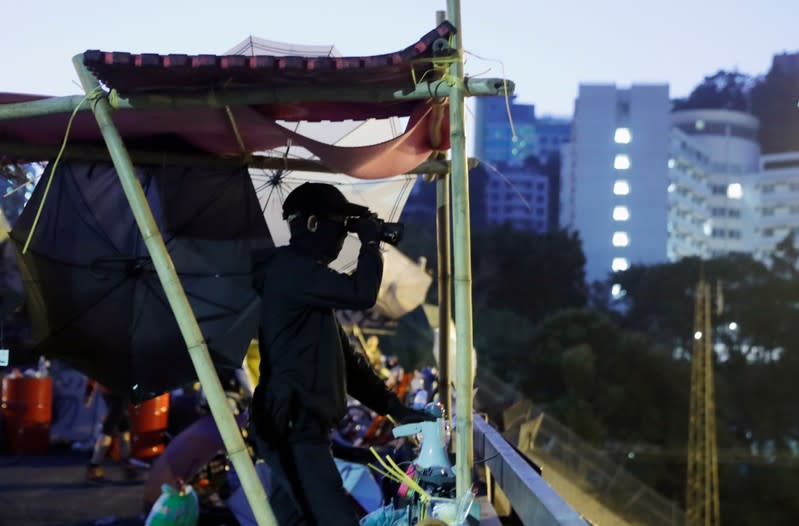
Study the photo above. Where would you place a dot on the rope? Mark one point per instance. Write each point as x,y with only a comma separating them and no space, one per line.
505,86
93,96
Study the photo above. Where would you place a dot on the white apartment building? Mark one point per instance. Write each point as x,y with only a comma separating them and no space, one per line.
614,176
776,212
689,226
723,145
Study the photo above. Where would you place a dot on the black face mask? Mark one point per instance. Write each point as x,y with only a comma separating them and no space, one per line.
324,244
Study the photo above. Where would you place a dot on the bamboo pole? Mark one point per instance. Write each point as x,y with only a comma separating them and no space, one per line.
197,348
444,269
462,265
253,96
84,152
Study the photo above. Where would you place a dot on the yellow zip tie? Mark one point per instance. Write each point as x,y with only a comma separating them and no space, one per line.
384,473
413,484
91,95
425,496
391,419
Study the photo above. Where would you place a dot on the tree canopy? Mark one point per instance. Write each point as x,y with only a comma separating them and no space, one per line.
728,90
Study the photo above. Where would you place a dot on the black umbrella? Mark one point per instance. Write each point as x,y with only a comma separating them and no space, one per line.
94,298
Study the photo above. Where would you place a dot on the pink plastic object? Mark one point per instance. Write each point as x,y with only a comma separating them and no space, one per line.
404,489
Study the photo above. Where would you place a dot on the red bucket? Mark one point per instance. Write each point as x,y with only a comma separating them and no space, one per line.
27,407
148,425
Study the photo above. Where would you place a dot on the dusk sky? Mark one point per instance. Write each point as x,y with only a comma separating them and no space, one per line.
547,48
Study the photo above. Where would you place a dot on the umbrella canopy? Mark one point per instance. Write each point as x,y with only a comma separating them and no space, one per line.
360,484
185,456
94,298
385,197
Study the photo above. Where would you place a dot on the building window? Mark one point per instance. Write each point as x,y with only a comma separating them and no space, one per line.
620,239
617,292
621,213
734,234
768,211
621,162
621,187
768,232
619,264
768,189
622,110
735,191
622,136
718,189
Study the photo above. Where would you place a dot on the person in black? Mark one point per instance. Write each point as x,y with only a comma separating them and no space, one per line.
307,363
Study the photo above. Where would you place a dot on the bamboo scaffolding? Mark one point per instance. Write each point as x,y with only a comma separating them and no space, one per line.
462,264
444,273
253,96
455,87
88,152
195,343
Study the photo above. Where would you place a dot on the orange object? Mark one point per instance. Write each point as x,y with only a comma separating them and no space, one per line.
148,425
27,408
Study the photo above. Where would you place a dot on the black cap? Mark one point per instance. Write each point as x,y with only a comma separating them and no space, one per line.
321,199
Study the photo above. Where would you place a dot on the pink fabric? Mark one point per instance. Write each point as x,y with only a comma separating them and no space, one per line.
210,130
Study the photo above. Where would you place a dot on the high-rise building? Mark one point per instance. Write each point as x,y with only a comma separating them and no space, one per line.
689,226
551,133
614,176
724,145
773,102
776,212
494,138
517,195
517,154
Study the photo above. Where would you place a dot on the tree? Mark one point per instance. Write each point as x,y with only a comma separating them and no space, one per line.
529,274
728,90
605,382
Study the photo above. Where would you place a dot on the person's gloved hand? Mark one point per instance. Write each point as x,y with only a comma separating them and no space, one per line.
406,415
271,416
368,229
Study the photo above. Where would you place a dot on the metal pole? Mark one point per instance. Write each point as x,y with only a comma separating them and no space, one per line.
198,350
444,260
462,265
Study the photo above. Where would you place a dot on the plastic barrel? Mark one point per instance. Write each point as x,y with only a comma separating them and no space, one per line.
27,406
148,425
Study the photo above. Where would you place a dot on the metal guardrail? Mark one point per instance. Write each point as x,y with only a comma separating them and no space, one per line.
596,473
533,500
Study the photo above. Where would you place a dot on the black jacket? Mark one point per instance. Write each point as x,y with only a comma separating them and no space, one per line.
306,358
